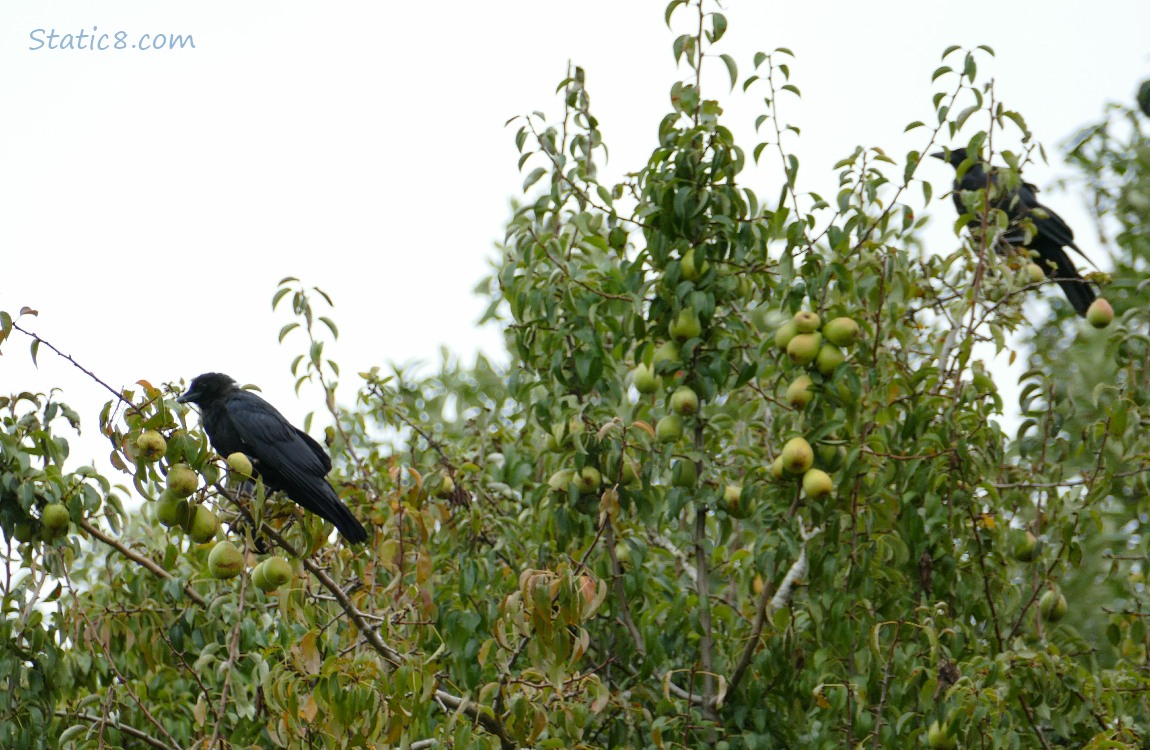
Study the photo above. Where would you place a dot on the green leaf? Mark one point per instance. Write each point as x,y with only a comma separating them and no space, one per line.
280,293
330,326
286,330
533,177
732,69
719,26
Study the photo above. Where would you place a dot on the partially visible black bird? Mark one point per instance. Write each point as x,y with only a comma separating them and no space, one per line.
1144,98
286,458
1051,234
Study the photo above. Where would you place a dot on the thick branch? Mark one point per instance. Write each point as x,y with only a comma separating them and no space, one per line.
767,606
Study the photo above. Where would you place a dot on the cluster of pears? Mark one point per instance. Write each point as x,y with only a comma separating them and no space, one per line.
810,343
227,561
1025,547
797,459
172,507
199,522
806,345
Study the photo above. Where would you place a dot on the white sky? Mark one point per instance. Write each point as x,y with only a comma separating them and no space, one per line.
149,201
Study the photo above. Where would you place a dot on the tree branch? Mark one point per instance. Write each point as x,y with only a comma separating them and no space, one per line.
233,650
703,588
119,727
767,607
80,367
620,593
139,559
481,714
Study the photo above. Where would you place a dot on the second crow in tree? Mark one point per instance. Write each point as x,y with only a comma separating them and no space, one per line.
286,458
1051,234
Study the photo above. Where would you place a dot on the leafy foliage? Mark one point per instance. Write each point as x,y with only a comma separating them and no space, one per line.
593,547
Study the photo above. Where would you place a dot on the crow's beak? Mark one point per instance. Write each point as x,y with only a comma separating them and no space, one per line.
939,155
184,397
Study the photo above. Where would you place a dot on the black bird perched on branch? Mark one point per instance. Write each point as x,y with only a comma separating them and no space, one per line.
1051,234
286,458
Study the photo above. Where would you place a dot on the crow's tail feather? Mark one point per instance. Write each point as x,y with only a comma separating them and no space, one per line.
321,499
1057,265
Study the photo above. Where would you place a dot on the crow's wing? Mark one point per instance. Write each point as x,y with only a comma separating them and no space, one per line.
289,460
1047,223
280,448
316,448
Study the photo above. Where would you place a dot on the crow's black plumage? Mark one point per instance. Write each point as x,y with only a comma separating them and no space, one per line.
1051,234
286,458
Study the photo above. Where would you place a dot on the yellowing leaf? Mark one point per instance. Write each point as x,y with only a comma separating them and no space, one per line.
309,709
307,654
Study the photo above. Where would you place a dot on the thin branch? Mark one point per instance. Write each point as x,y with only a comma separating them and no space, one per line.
119,727
94,635
886,672
767,605
985,576
620,593
798,570
233,651
139,559
82,369
477,712
1030,720
703,589
757,626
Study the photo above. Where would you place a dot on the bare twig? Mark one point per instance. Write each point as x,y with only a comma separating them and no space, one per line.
79,366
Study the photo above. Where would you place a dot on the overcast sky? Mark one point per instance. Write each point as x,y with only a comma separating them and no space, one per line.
150,200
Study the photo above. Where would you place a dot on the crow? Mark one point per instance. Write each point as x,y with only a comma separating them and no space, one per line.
286,458
1051,234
